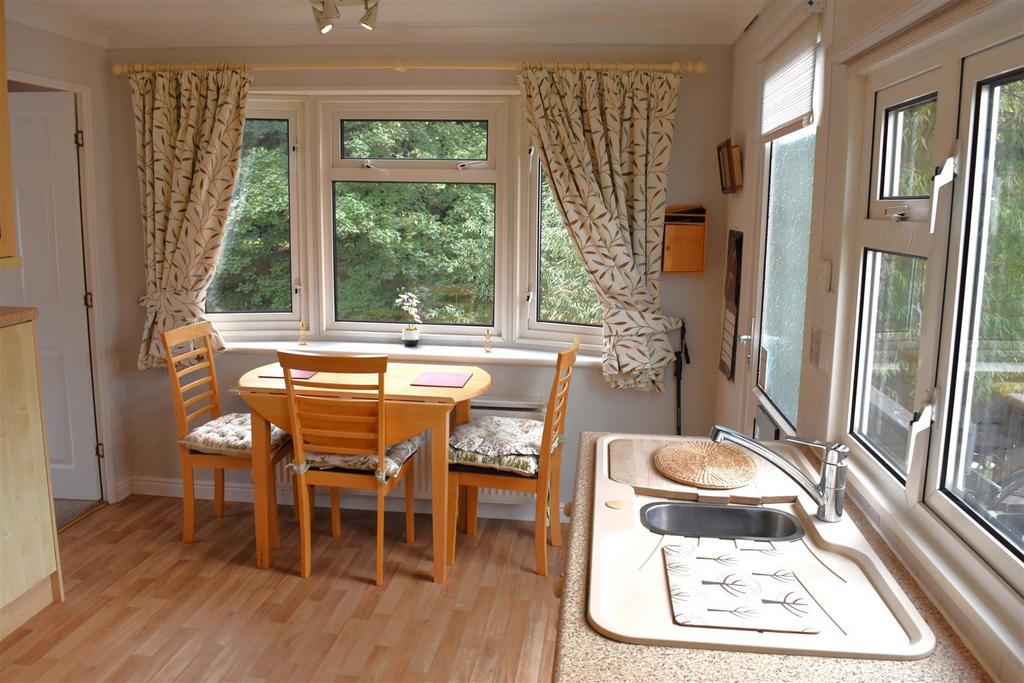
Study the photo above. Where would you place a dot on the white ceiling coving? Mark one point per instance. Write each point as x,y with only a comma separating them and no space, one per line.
236,23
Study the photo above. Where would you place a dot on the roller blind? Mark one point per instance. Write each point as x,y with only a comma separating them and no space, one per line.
787,94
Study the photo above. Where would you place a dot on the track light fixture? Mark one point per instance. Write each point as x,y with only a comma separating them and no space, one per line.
369,20
323,22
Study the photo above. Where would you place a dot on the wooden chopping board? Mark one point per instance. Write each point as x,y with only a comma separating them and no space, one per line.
630,462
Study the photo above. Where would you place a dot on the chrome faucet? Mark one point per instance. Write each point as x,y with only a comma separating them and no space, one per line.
830,490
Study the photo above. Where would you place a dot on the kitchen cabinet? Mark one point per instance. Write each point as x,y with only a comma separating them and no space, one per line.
8,228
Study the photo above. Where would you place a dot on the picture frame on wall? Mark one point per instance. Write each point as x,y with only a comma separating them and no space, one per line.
730,167
733,273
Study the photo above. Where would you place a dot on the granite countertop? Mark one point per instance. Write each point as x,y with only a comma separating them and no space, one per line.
583,654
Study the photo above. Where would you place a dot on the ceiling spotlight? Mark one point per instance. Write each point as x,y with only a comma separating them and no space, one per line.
323,23
369,20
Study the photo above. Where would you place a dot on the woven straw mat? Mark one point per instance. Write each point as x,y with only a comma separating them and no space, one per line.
706,464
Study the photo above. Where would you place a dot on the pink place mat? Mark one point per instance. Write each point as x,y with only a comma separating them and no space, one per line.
455,380
278,372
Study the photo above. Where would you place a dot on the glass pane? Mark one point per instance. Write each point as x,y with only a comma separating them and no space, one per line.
785,277
439,140
988,458
566,295
890,342
254,271
435,239
909,159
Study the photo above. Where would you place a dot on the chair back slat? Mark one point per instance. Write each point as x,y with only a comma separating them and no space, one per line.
188,352
345,418
558,402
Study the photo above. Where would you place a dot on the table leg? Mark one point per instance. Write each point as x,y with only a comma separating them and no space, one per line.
460,416
439,495
262,475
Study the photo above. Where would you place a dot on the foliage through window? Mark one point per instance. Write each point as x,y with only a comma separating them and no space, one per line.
909,149
566,295
433,238
429,140
253,272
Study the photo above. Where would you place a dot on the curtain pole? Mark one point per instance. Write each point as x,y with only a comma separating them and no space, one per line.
691,67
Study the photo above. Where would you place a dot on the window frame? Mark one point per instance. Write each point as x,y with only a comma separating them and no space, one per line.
252,325
530,326
494,171
919,496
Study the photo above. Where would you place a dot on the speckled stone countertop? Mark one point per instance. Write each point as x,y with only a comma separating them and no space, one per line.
585,655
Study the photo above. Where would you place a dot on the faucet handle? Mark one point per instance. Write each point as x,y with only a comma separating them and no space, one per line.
832,452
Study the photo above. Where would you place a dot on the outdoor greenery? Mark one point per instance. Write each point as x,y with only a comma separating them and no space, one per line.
254,272
434,239
914,127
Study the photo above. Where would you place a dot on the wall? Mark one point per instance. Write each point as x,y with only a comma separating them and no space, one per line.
144,427
116,325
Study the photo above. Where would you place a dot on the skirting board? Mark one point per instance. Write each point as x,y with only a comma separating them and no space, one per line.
351,499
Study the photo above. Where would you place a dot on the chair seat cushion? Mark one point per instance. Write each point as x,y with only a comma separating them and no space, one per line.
394,458
510,444
230,434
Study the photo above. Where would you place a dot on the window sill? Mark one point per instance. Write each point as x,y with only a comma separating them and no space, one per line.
425,353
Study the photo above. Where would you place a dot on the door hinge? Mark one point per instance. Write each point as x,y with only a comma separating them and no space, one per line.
79,138
99,450
87,299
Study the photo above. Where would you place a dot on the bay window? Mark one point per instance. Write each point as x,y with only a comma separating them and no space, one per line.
343,203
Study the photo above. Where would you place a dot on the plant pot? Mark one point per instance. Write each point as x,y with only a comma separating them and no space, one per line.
410,336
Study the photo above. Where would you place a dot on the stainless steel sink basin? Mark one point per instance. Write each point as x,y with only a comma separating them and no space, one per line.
721,521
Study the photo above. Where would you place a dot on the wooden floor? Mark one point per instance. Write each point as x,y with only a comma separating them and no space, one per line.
141,605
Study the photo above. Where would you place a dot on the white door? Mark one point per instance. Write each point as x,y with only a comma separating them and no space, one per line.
48,211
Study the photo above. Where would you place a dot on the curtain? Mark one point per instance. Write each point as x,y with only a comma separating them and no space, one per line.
605,140
188,133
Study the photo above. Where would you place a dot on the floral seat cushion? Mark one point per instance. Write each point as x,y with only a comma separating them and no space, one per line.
230,434
509,444
394,458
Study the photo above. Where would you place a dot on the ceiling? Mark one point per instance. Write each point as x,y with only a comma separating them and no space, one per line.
231,23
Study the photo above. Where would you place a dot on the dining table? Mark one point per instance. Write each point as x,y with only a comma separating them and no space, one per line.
410,409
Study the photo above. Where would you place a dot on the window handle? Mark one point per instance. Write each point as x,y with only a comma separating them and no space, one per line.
943,176
921,422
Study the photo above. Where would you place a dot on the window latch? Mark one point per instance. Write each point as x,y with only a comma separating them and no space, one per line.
297,288
529,295
943,176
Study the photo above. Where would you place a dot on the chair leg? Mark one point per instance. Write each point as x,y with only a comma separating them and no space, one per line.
380,536
218,492
410,503
555,517
472,492
453,507
295,494
540,538
305,528
188,500
335,512
275,527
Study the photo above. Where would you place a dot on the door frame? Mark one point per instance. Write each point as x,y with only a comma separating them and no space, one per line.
86,182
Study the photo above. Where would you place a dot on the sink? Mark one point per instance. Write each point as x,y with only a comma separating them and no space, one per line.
765,576
721,521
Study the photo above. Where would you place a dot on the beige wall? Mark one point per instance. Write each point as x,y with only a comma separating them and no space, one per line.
143,428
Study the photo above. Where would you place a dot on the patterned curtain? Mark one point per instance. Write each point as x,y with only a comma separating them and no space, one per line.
605,140
188,133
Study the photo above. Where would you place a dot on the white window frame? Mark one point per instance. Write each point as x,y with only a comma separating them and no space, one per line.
495,110
529,326
927,238
265,325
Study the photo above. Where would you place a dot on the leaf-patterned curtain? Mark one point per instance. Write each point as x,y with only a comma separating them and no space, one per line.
605,140
188,133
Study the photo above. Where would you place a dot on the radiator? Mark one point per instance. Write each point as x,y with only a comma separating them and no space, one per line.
484,406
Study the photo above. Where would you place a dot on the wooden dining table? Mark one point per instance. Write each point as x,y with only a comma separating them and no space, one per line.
410,410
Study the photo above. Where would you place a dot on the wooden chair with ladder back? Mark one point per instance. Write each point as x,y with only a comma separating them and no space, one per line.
513,454
220,442
339,429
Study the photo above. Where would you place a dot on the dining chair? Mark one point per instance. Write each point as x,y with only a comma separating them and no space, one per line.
513,454
339,431
219,441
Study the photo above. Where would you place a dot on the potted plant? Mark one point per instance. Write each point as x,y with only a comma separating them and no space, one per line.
409,301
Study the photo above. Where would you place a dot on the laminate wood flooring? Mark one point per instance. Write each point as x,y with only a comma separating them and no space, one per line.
142,605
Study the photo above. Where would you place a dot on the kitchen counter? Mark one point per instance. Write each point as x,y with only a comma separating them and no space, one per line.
583,654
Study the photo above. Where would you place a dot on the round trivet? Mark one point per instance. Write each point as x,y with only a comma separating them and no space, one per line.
706,464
